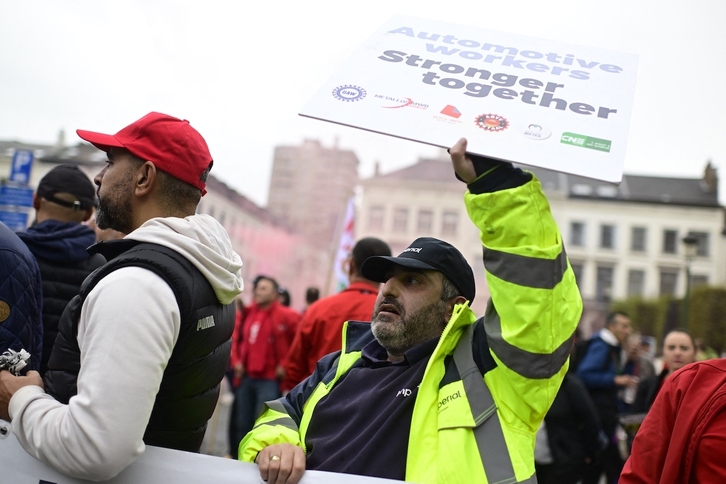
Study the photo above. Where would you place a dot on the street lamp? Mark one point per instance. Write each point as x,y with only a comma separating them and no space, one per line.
690,244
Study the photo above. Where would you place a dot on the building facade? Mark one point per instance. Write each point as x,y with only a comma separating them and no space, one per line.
310,187
622,241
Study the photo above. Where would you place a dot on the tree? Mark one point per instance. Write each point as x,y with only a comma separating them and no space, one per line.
707,315
647,315
656,317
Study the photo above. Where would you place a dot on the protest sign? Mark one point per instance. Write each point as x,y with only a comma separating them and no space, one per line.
527,100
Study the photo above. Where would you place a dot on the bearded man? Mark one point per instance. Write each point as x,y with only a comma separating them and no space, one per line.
426,392
142,349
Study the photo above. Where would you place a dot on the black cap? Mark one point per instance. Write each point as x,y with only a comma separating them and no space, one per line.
68,179
426,253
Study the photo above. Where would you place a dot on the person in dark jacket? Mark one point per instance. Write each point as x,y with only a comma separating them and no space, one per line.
574,438
58,239
607,373
21,299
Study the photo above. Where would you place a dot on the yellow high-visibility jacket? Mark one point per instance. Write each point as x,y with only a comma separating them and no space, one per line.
467,431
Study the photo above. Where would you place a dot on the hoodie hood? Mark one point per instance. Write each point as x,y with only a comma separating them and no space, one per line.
202,241
59,242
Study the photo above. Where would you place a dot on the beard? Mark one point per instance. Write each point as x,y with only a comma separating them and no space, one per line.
400,334
114,213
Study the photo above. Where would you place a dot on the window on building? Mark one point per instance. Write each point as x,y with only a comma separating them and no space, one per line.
375,218
668,282
400,219
638,239
425,221
449,223
577,234
636,282
607,236
604,283
702,248
670,241
699,280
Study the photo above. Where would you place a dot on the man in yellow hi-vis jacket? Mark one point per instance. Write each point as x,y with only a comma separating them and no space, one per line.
426,392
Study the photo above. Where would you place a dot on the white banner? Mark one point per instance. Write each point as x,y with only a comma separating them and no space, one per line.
155,466
532,101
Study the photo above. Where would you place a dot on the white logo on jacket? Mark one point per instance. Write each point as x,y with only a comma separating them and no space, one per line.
405,392
205,323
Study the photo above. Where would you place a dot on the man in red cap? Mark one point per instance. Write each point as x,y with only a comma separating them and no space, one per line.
142,349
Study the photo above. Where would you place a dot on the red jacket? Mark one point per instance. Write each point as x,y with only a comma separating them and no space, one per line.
320,330
683,437
262,339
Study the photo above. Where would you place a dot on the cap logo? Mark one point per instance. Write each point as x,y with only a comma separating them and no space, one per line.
413,249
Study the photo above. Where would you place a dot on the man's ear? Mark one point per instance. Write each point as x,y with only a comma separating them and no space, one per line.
145,179
36,201
350,267
452,304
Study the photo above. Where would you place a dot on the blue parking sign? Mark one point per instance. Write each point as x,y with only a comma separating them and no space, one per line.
21,196
21,166
16,221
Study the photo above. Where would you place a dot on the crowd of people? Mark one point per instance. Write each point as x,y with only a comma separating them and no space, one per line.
130,304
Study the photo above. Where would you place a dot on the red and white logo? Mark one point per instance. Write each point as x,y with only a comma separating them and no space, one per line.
450,110
491,122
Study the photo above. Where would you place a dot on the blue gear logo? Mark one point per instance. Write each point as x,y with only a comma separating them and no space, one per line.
349,93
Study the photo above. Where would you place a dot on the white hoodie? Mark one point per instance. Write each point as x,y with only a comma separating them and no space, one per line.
128,327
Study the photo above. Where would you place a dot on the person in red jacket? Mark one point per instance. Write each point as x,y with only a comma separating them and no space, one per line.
266,330
683,437
320,329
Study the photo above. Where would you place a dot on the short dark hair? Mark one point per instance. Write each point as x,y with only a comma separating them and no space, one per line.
449,290
368,247
176,193
611,317
259,278
284,296
312,294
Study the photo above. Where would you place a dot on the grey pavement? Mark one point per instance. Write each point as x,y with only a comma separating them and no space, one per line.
215,440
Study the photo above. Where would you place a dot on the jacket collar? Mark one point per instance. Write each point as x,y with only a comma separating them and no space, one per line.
607,336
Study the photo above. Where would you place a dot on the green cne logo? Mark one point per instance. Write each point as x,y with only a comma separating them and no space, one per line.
586,142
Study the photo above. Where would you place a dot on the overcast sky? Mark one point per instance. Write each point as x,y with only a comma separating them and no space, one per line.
241,71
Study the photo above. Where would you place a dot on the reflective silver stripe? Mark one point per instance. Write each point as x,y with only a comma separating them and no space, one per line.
488,433
526,271
285,422
277,406
535,366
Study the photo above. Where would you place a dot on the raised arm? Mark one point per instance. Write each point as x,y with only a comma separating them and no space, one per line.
535,303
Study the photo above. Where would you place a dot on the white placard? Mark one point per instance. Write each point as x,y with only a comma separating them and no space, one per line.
155,466
537,102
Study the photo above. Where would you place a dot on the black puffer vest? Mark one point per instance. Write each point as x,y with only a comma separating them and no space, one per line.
61,283
190,386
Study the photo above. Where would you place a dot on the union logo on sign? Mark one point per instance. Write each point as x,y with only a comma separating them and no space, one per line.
349,93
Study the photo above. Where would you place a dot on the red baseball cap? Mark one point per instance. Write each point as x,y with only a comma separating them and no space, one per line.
170,143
